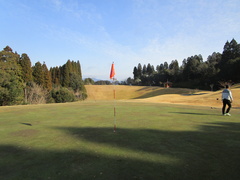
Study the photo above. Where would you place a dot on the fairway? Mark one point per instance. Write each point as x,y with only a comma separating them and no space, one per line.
155,94
153,141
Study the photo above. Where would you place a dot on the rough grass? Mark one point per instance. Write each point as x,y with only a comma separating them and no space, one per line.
105,92
153,141
155,94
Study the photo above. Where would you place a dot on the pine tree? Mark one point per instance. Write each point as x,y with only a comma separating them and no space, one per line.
38,76
7,49
65,76
144,71
165,65
135,73
25,63
47,84
69,65
57,76
139,70
229,61
79,68
11,83
230,51
53,74
150,69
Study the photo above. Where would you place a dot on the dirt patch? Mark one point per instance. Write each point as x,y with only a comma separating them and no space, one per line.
25,133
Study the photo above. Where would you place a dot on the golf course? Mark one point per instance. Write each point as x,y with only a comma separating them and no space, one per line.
161,134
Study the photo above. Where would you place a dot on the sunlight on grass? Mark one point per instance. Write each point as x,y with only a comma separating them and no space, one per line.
76,141
125,153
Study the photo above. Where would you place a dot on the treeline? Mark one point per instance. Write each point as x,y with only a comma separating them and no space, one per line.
193,72
22,83
89,81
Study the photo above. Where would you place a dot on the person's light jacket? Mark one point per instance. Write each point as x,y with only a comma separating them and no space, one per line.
227,94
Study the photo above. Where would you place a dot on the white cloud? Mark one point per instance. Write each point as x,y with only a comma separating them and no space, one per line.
57,3
147,31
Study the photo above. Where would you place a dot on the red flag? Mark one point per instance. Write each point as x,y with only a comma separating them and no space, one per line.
112,73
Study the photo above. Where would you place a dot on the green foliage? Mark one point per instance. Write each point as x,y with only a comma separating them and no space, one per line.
233,69
194,72
21,83
88,81
11,82
26,65
55,75
76,82
101,82
11,89
135,73
69,76
42,75
38,75
65,75
62,95
47,81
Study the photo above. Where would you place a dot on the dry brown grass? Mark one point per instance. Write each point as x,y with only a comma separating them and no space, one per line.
160,95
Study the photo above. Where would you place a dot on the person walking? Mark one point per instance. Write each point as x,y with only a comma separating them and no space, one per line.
227,100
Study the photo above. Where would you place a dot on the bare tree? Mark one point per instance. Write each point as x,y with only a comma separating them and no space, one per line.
36,94
224,83
211,85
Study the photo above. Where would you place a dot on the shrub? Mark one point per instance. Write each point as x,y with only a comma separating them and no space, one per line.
35,94
62,95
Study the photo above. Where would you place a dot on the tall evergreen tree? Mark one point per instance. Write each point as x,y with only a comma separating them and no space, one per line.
79,69
7,49
139,70
135,73
144,71
55,75
26,65
150,69
161,68
212,62
11,82
38,75
192,69
65,75
174,69
231,51
47,81
165,65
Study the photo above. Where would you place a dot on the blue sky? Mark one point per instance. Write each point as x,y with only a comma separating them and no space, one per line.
128,32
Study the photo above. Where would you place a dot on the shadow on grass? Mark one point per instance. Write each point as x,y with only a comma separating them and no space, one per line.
195,94
28,124
192,113
212,152
156,91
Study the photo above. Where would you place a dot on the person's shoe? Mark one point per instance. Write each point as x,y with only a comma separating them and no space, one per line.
227,114
224,114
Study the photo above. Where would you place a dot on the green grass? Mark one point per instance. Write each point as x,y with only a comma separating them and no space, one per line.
153,141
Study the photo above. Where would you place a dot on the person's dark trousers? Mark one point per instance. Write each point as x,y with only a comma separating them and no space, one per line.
226,102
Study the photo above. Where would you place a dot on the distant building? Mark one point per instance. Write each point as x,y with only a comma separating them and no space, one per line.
167,84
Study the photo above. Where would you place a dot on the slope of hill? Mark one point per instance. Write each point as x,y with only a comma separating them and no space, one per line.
160,95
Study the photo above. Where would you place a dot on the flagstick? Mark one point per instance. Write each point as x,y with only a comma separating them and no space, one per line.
112,75
114,95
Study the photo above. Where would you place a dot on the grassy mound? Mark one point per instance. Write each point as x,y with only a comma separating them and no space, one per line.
161,95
